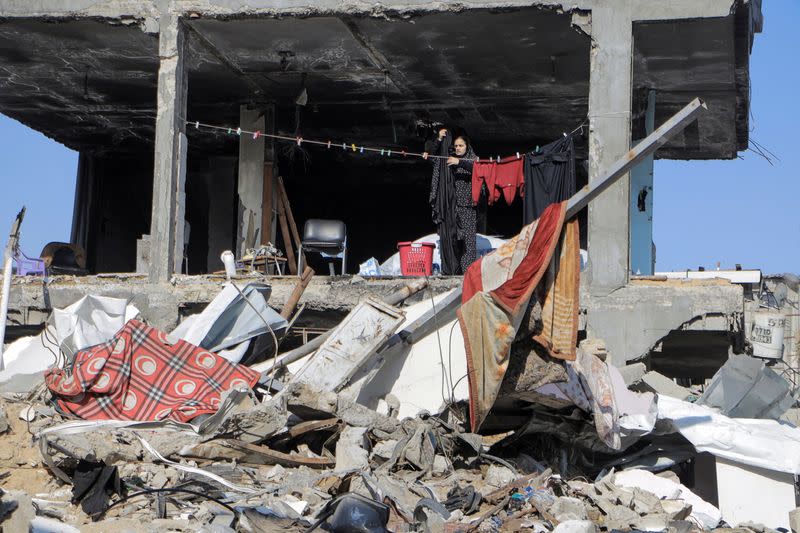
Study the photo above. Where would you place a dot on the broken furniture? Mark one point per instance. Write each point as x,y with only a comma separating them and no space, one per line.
326,237
264,258
64,258
288,227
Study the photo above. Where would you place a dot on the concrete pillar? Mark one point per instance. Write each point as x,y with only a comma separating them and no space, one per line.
609,139
169,179
251,180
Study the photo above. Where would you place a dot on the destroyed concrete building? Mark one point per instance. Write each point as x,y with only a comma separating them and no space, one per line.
123,83
156,393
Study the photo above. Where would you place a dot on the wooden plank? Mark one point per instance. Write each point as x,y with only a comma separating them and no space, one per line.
266,203
287,239
289,215
302,283
244,452
312,425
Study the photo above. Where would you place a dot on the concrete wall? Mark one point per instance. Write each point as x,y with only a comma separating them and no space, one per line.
634,318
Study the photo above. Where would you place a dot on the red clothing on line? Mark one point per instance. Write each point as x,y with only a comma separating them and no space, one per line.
505,177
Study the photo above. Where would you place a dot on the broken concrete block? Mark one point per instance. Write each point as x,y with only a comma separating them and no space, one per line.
256,424
645,502
596,347
355,414
794,520
3,420
576,526
652,522
310,404
619,517
499,476
384,448
669,474
350,452
660,384
605,504
440,465
676,509
19,519
681,526
566,508
632,374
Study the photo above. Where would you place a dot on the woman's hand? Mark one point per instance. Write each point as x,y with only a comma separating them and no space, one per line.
452,161
442,133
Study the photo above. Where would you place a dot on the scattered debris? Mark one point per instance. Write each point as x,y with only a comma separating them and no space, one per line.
374,426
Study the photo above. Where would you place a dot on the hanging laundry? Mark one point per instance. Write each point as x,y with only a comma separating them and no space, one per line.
495,295
139,375
549,177
504,178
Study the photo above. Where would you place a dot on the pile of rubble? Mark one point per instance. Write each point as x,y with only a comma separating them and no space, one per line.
305,459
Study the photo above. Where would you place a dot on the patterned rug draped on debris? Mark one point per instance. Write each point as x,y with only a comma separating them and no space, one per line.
138,375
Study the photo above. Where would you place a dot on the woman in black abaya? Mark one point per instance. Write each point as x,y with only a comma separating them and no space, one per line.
451,200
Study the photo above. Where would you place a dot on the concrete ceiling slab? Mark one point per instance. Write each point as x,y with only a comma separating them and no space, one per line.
509,77
84,83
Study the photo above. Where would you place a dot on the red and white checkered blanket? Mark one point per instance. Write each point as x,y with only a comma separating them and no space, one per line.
138,375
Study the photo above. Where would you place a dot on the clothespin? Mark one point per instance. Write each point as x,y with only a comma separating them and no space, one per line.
229,131
196,124
382,150
344,146
389,153
354,147
362,149
565,133
404,153
498,158
517,155
238,131
329,145
256,134
299,141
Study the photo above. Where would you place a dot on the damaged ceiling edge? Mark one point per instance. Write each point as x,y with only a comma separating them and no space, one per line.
149,12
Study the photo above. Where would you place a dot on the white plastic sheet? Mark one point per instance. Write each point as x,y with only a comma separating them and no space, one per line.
229,321
763,443
90,321
702,512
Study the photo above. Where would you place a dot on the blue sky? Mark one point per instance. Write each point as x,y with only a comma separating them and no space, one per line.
741,211
744,210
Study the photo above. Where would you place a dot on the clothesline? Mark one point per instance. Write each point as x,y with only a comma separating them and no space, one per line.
344,146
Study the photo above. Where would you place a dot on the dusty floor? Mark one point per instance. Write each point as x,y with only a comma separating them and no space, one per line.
21,465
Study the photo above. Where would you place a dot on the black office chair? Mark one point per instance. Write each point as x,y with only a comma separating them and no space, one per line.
328,237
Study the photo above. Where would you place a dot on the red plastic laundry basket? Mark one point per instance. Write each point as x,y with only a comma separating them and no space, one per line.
416,258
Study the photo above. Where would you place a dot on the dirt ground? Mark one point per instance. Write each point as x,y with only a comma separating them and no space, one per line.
21,466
